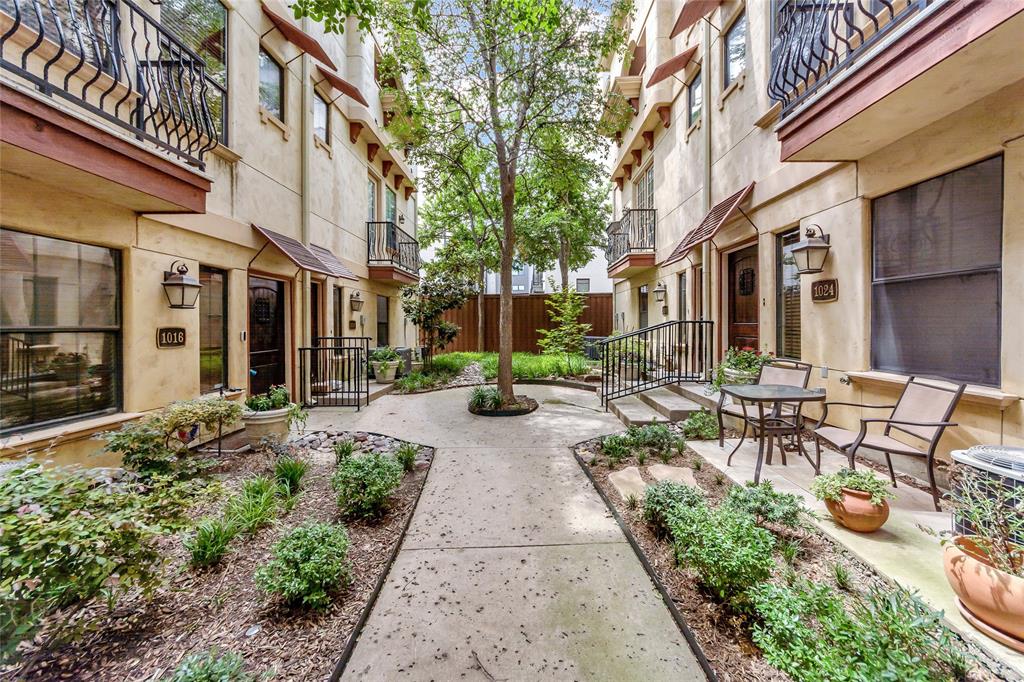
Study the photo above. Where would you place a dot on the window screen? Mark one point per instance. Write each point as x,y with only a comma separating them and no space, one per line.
936,266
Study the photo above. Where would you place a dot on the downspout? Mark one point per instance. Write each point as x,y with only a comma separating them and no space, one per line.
705,249
307,144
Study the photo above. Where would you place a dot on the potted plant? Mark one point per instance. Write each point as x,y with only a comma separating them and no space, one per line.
69,366
740,366
985,568
855,499
270,415
631,364
385,361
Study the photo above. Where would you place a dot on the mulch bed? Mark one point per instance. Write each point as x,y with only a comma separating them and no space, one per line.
524,405
724,636
222,607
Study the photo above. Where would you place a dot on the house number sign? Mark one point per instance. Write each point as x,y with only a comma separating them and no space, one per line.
170,337
825,290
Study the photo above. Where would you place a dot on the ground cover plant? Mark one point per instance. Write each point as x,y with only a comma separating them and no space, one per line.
212,666
365,482
307,565
701,425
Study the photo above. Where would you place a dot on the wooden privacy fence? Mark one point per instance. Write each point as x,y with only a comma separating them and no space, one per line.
529,313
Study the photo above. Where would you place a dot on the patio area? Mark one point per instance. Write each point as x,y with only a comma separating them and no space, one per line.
901,550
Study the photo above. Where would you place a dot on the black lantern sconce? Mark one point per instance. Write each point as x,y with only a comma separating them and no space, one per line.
659,292
181,288
356,302
811,252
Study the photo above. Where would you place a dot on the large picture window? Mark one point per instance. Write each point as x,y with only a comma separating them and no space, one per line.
60,330
787,296
213,329
937,257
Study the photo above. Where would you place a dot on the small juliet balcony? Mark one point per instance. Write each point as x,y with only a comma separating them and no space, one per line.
851,78
392,254
631,242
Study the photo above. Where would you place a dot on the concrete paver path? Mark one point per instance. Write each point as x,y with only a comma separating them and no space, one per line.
512,568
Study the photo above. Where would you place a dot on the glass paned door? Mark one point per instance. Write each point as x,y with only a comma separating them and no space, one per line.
266,334
371,199
213,331
787,297
644,302
390,206
383,332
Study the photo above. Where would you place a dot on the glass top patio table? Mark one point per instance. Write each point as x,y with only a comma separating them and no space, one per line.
772,393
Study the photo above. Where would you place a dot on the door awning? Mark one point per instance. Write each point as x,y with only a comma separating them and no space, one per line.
342,85
297,37
338,269
719,215
671,66
692,12
293,250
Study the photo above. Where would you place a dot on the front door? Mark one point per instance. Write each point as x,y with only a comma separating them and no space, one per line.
743,298
267,350
382,321
644,303
314,313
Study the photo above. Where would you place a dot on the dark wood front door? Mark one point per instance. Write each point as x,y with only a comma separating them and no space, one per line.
267,350
743,298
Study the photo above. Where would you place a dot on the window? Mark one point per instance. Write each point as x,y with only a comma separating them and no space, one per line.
583,285
203,26
735,49
60,330
213,329
321,118
643,189
371,197
644,302
339,311
271,85
682,296
936,268
787,296
694,98
390,205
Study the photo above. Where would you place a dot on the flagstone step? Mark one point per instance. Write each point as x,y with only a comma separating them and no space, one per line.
669,403
635,412
664,472
629,483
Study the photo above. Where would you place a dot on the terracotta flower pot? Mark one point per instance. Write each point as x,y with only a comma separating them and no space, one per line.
856,512
384,372
992,596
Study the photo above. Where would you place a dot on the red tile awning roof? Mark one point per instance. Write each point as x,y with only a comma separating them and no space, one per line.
692,12
338,269
671,66
296,36
719,215
342,85
294,250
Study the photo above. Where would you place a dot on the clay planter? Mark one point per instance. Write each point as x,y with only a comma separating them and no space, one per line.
856,512
384,372
271,424
738,376
989,595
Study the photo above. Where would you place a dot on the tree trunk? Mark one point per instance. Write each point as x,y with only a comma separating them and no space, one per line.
563,260
508,246
480,310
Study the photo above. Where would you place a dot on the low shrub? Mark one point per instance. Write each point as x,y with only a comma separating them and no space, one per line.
288,472
485,398
701,425
208,544
406,455
254,507
766,504
806,631
306,565
211,666
660,498
616,448
830,486
420,381
726,549
657,437
343,449
364,484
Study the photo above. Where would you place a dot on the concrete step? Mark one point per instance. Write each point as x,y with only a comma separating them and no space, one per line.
669,403
632,411
696,393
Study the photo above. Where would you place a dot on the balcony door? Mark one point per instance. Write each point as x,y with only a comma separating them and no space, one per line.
743,299
390,205
267,350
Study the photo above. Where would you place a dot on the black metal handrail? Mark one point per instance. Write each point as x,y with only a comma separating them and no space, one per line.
387,244
666,353
115,61
635,232
815,40
334,372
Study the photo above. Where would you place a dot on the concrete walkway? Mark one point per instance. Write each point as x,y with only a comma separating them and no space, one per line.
512,568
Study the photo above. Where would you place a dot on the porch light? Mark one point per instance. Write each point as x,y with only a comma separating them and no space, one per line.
356,302
181,289
659,292
811,252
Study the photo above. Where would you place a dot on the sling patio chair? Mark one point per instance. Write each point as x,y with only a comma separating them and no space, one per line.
922,411
777,371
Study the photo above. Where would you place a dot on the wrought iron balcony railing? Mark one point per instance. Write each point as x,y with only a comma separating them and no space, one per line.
113,59
388,245
633,233
816,40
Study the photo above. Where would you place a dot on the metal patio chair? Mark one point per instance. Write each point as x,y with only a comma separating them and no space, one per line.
922,411
778,371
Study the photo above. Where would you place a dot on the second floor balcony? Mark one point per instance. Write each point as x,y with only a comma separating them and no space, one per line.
631,242
392,253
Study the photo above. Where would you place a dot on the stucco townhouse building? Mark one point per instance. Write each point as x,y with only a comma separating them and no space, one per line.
886,135
151,146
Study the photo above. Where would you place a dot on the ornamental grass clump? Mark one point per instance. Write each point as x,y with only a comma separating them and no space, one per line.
662,497
830,486
254,507
288,472
307,565
364,484
208,544
212,666
766,504
485,398
343,449
406,456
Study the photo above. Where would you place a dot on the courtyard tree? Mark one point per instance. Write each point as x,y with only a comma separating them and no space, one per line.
426,303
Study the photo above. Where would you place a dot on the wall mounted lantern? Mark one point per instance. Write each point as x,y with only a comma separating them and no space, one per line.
659,292
810,253
356,302
181,288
